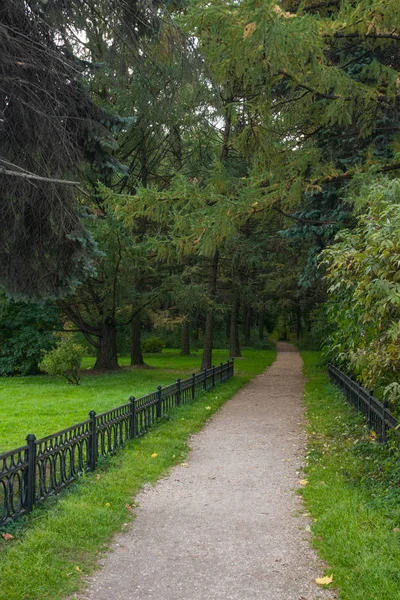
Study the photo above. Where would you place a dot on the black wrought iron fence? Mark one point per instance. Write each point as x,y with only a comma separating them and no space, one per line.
41,468
379,418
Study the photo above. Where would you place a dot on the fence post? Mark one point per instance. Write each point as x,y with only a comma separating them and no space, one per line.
205,380
178,391
383,430
232,370
133,417
193,386
158,405
30,480
213,376
369,408
92,450
220,373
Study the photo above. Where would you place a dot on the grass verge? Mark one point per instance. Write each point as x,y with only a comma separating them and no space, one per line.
353,493
43,405
60,542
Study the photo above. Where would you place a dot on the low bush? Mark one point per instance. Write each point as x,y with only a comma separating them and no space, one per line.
153,345
64,360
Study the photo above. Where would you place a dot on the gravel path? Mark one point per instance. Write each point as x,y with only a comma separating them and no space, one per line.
226,525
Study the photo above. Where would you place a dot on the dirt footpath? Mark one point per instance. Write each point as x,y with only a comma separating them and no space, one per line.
227,525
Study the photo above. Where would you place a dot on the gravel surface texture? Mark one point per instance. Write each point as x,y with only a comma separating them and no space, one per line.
226,524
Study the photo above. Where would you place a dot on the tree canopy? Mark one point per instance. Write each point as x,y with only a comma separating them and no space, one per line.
194,160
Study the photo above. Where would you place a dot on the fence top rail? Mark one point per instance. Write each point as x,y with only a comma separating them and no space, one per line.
113,410
49,437
11,452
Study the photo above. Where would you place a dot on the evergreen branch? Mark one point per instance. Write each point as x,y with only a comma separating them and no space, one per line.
302,219
357,35
323,95
316,6
76,318
313,91
136,312
32,176
352,173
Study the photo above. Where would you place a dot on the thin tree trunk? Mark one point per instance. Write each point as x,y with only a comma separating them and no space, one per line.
107,357
196,328
298,321
261,319
136,341
284,338
228,326
234,337
206,362
185,337
247,324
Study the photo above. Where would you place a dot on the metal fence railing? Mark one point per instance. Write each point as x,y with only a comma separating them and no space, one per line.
379,418
41,468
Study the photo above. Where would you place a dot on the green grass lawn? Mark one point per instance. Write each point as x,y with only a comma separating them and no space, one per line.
353,493
43,405
59,543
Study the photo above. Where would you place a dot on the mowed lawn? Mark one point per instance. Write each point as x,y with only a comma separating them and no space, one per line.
43,405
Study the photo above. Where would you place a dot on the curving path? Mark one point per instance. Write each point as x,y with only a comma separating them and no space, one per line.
227,526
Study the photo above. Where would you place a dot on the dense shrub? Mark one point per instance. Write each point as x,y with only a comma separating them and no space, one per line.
153,345
364,289
26,332
64,360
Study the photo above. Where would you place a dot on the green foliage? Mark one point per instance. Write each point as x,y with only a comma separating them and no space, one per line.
153,345
64,360
363,272
26,332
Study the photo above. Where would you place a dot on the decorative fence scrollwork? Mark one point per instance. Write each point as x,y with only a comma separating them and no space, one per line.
42,468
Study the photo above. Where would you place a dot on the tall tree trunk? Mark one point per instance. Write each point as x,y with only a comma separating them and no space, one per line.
261,319
298,321
284,337
228,326
247,324
196,328
136,341
107,357
185,337
206,362
234,337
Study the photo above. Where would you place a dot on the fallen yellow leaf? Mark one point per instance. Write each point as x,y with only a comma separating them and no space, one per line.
208,407
324,580
154,455
108,504
7,536
77,569
303,481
